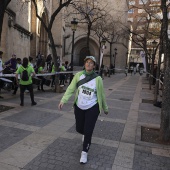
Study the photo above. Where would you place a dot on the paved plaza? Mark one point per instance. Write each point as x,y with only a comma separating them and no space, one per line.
43,138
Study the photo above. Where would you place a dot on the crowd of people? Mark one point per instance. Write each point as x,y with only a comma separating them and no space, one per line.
40,65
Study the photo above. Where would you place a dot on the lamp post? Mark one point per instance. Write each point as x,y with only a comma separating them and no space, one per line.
149,52
73,27
154,43
103,42
114,60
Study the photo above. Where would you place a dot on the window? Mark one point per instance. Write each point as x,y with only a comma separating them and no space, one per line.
131,2
143,1
131,11
141,11
130,19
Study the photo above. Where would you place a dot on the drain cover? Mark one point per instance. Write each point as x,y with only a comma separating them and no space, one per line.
110,89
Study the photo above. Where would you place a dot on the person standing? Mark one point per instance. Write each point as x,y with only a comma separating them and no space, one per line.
14,82
131,69
89,102
41,70
31,61
62,75
12,64
26,72
53,76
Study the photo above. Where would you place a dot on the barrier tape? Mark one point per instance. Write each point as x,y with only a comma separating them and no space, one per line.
45,74
68,72
146,72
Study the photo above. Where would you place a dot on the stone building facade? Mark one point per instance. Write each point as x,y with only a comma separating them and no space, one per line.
24,35
118,10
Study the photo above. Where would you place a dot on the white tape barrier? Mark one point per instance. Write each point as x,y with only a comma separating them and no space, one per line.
146,72
45,74
68,72
154,77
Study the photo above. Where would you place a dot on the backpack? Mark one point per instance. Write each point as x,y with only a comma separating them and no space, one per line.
24,75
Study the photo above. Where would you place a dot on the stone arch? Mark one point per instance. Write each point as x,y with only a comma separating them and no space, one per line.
43,40
80,51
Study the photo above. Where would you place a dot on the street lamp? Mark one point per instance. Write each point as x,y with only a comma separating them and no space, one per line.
154,43
103,42
73,27
114,60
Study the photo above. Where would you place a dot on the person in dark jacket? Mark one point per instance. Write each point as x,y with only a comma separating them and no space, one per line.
12,64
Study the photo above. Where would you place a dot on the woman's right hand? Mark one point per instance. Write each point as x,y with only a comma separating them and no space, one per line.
60,106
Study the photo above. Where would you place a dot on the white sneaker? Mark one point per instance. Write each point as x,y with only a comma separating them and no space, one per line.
82,138
83,158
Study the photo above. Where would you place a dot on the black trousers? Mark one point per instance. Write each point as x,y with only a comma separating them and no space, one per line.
42,82
22,90
85,123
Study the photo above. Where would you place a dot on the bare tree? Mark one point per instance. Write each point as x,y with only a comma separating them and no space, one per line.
143,34
89,12
48,27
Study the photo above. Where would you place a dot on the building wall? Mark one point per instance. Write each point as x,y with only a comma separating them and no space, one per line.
29,43
14,39
118,12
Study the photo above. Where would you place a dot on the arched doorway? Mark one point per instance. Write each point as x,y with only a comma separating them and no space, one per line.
43,41
83,53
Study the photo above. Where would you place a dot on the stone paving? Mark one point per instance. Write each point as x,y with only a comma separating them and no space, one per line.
43,138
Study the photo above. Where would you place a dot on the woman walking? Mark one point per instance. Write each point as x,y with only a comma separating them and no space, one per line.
89,102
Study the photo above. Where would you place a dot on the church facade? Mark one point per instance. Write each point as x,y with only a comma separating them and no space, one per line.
24,35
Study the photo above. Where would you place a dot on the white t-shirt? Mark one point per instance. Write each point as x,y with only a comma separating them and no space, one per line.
87,96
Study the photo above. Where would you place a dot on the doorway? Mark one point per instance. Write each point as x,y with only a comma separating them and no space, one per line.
83,53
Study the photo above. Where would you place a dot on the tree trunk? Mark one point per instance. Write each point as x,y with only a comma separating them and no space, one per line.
156,91
158,69
88,40
58,89
165,112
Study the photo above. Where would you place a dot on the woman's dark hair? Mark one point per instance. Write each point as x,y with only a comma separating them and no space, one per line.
30,59
18,59
25,62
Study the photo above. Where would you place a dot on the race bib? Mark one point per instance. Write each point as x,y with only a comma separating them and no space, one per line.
86,93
